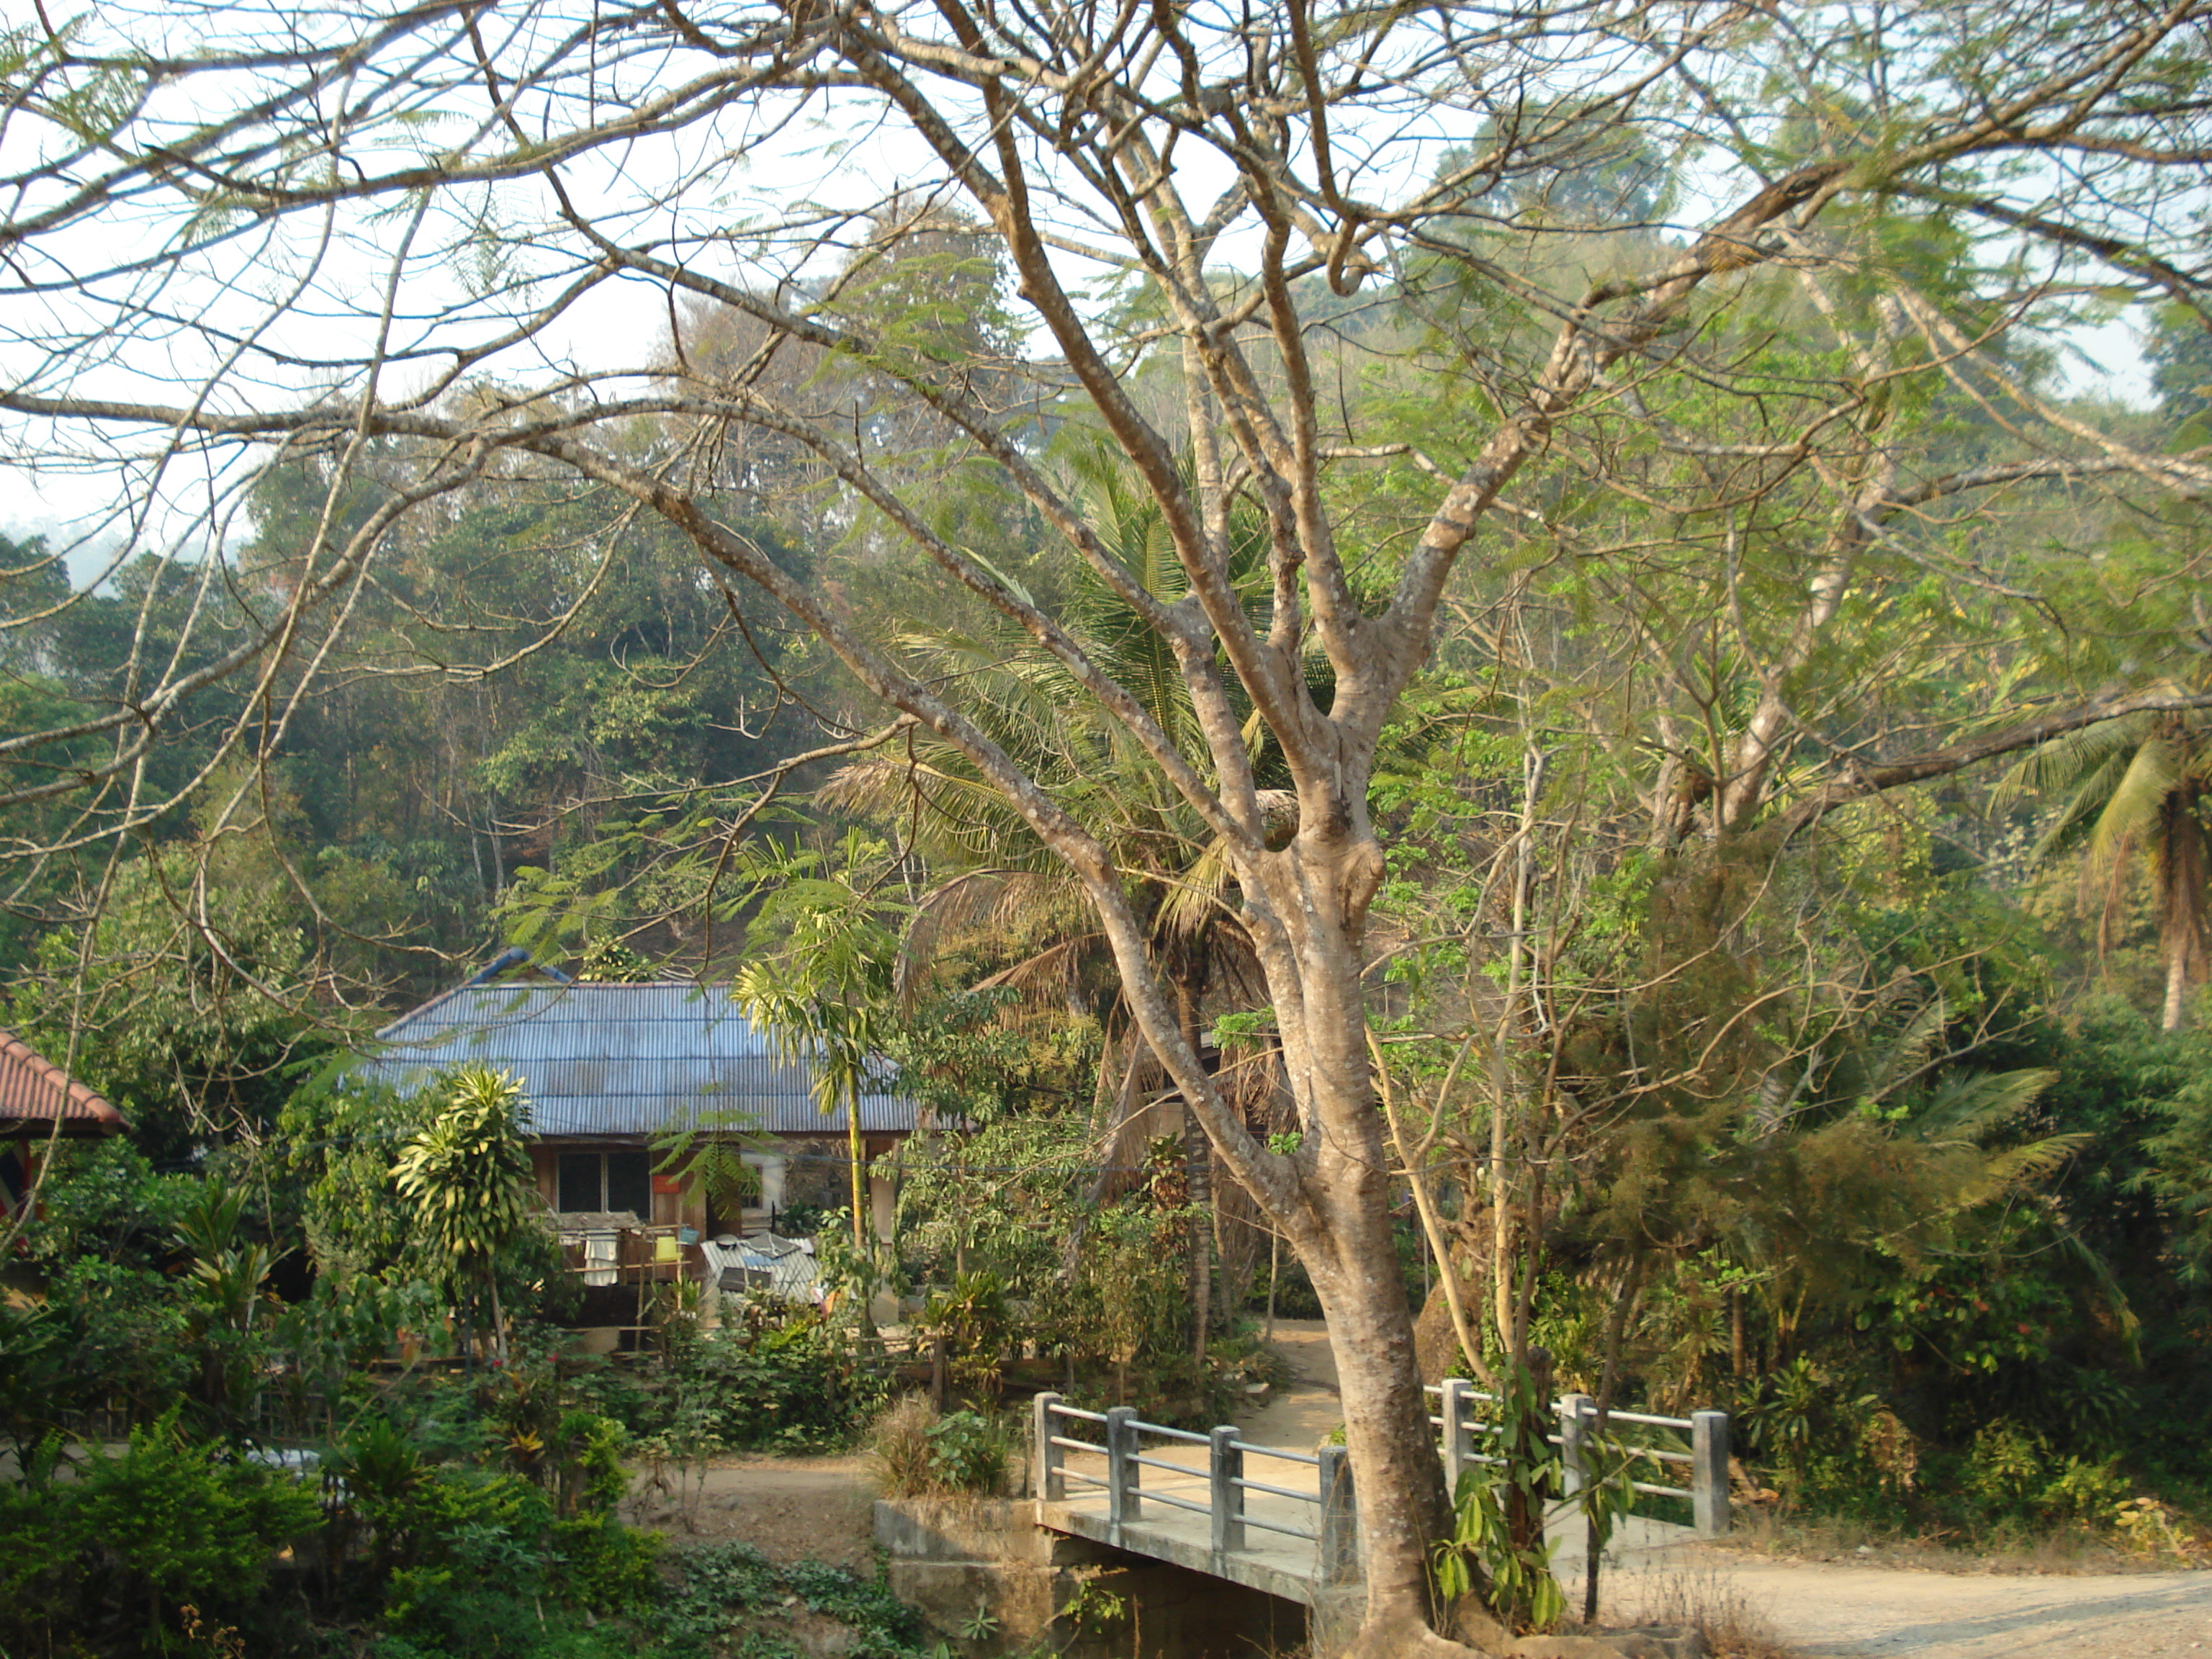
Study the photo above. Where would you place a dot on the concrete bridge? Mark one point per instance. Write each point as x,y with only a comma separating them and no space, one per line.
1285,1522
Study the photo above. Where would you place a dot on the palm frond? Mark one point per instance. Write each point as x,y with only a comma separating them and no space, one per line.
1908,1052
1961,1110
2020,1167
2078,816
2065,762
2135,810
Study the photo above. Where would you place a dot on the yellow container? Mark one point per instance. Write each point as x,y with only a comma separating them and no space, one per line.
667,1249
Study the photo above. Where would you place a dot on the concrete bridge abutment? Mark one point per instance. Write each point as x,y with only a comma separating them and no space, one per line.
957,1558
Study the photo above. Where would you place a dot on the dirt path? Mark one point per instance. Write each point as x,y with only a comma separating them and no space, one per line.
1302,1413
784,1507
1835,1612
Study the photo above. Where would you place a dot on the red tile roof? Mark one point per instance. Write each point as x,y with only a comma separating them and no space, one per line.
32,1089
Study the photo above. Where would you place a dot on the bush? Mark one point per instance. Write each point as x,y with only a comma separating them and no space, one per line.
467,1560
971,1320
169,1523
915,1453
187,1523
604,1566
720,1583
780,1377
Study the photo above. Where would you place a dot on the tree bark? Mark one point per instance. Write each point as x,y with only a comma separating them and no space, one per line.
1403,1507
2176,1012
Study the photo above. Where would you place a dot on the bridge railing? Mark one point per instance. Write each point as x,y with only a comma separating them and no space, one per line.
1334,1531
1460,1421
1129,1446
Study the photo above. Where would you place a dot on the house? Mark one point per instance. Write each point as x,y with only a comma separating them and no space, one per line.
38,1102
610,1068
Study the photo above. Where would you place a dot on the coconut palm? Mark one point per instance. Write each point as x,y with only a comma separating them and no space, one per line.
1002,878
2136,794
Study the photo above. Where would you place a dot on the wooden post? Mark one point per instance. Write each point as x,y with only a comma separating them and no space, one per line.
1227,1502
1709,1472
1578,1412
1453,1412
1123,1472
1050,1485
1339,1519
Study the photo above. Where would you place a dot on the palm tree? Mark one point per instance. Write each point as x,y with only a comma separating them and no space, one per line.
2135,792
821,1009
1002,877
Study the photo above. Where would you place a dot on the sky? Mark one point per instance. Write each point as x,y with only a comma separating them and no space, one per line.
779,168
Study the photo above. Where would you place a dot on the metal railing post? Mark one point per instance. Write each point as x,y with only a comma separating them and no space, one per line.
1050,1485
1576,1411
1122,1469
1454,1412
1227,1505
1339,1519
1709,1472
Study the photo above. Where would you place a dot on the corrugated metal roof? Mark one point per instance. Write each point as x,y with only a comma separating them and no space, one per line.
618,1059
33,1088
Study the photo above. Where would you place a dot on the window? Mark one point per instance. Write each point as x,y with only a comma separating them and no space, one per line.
601,1181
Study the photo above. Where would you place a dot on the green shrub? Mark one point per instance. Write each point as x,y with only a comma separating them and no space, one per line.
437,1614
604,1566
719,1583
782,1378
971,1320
918,1453
967,1453
43,1549
133,1538
471,1522
585,1464
2006,1468
185,1522
2087,1493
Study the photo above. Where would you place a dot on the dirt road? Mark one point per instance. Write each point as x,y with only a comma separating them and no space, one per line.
1835,1612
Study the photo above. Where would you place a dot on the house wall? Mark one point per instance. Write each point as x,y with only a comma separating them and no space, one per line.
672,1208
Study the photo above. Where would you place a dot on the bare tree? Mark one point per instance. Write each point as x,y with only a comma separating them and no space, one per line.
246,233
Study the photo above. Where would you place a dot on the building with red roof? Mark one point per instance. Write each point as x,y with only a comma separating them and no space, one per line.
38,1102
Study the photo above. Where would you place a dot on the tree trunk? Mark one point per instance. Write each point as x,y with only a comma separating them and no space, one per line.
1403,1506
2177,980
852,1153
1189,961
1400,1486
1198,1196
